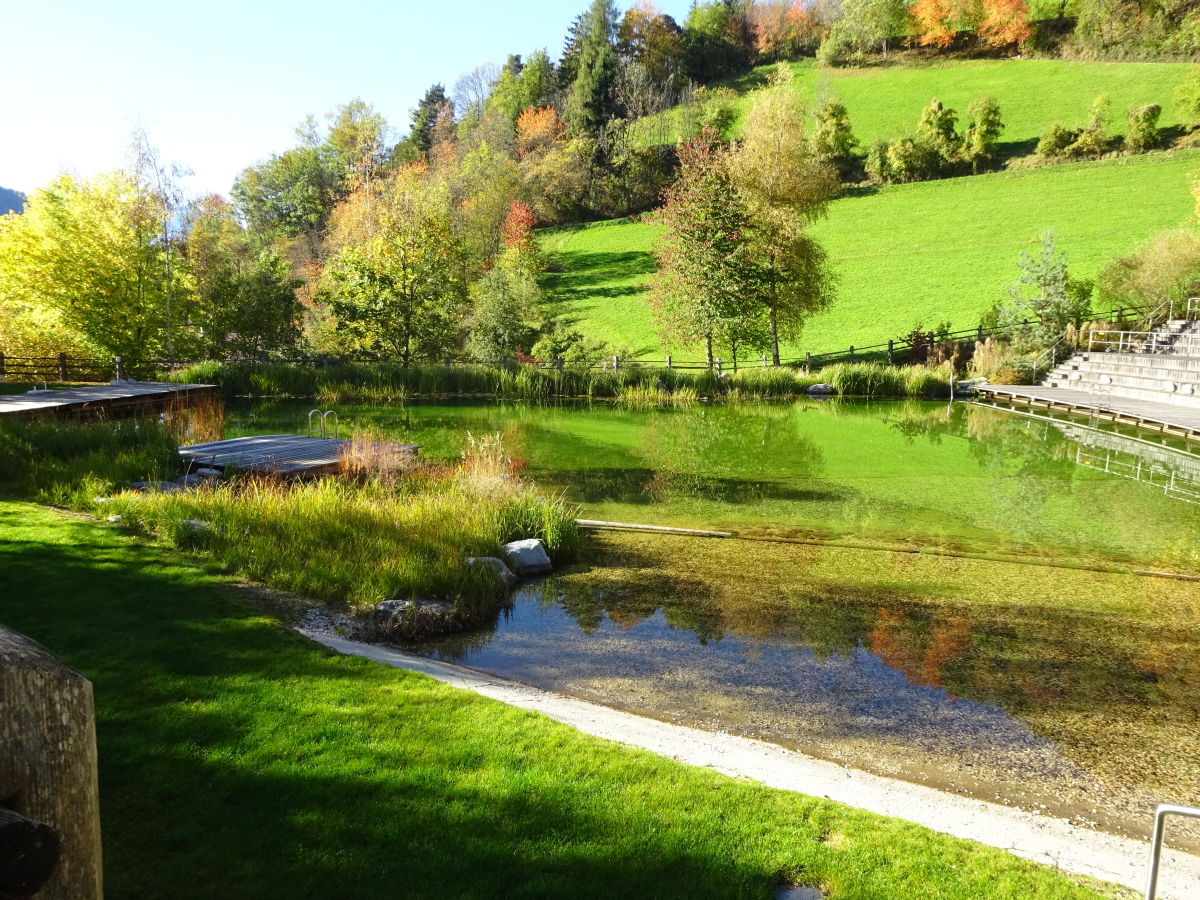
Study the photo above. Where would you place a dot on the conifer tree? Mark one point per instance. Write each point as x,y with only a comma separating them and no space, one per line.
589,100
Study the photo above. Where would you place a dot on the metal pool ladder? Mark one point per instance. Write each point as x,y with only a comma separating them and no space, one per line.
1160,816
323,422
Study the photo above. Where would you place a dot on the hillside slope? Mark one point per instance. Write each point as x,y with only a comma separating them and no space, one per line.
885,102
928,252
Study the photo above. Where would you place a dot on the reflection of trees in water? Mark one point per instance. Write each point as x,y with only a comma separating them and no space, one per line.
735,454
917,648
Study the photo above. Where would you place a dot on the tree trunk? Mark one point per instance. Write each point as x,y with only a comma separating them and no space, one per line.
708,354
774,336
48,762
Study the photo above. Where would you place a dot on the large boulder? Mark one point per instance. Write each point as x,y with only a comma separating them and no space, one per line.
527,557
821,389
503,573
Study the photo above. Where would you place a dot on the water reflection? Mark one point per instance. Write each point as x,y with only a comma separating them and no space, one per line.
909,473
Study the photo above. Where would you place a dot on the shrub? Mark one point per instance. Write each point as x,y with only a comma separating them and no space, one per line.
1056,141
1141,131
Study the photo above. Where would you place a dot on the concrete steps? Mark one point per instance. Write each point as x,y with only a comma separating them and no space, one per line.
1166,370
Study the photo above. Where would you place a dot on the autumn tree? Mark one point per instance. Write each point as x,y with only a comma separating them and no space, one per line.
651,38
704,287
783,28
92,251
785,186
865,26
1005,23
395,280
248,305
506,301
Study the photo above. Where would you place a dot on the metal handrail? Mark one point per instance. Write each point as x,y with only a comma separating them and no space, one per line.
324,417
1144,341
1156,842
1193,307
311,430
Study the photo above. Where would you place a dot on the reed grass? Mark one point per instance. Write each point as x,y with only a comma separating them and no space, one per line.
379,537
389,383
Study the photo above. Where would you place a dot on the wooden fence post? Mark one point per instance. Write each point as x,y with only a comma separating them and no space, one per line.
807,362
764,360
668,360
891,347
852,351
62,367
718,362
558,364
616,362
119,368
48,767
1,366
979,333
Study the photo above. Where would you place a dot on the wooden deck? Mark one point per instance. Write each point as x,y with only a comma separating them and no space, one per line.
278,454
1164,418
113,399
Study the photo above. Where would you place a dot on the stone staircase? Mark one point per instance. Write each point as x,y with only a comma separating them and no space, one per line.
1162,366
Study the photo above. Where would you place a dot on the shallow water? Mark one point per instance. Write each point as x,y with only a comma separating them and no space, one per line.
901,474
911,636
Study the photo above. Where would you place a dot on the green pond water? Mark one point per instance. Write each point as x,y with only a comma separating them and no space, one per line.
937,592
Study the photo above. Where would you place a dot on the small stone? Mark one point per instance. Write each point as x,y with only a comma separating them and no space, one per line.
114,520
99,500
527,557
195,526
821,389
208,473
503,572
192,480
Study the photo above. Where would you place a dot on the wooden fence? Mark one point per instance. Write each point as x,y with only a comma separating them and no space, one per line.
908,349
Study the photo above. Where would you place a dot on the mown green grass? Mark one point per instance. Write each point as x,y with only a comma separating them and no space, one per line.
236,758
885,102
929,252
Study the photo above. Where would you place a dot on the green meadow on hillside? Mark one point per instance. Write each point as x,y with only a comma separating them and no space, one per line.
885,102
928,252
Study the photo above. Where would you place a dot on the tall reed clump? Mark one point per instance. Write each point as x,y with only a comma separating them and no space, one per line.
366,540
57,461
865,379
928,381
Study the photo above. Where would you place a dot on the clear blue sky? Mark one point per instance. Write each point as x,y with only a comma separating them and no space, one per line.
222,84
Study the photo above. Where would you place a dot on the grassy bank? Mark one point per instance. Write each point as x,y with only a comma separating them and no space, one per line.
940,251
356,541
353,780
392,383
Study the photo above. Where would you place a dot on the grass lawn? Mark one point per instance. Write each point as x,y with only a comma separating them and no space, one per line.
929,252
239,760
885,102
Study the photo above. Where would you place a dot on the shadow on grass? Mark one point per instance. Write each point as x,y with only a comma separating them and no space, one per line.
238,760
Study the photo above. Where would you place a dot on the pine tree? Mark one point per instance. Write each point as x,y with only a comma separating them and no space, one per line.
590,99
424,117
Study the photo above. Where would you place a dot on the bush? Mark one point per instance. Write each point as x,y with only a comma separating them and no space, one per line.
1141,130
1056,142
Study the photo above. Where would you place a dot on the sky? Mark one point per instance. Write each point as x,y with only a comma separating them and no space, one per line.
221,85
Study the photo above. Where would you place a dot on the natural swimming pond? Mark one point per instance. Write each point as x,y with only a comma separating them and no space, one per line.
932,591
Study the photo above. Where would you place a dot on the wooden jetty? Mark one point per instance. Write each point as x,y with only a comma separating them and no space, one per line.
122,398
291,455
1163,418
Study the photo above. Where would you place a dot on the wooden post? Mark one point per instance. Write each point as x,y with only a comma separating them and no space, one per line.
48,761
119,368
62,367
616,362
718,362
852,351
891,347
668,360
1,366
807,362
979,333
764,360
558,364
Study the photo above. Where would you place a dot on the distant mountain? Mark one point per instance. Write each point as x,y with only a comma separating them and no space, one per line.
11,201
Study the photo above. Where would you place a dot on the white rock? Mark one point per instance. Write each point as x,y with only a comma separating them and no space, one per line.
100,500
503,572
113,520
195,526
527,557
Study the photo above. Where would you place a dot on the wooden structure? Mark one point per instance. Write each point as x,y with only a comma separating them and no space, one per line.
281,454
1163,418
123,398
49,797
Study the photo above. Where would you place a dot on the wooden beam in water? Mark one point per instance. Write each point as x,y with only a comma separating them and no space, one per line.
661,529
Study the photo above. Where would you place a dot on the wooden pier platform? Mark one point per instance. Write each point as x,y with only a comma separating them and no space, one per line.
279,454
1164,418
108,399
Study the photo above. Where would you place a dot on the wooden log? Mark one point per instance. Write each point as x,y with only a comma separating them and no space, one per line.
28,854
48,760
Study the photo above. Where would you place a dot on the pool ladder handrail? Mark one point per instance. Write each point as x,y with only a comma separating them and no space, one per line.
323,420
1156,842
